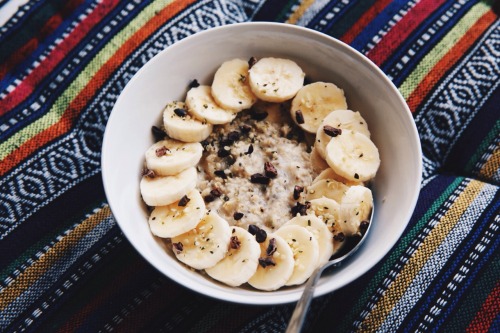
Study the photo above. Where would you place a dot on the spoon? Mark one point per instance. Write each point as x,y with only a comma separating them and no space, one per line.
299,314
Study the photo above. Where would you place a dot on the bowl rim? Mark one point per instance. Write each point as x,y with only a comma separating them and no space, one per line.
266,298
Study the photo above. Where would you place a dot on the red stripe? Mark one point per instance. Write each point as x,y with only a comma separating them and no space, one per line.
449,60
402,30
488,312
364,20
25,88
50,26
80,101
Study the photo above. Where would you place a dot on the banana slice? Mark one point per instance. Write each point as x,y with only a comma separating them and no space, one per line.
329,211
205,245
305,252
353,156
241,260
169,157
320,231
328,188
355,207
314,102
178,217
339,119
230,87
328,173
164,190
275,79
180,125
202,106
276,264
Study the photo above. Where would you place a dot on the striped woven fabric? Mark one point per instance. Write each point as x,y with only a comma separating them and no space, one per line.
65,265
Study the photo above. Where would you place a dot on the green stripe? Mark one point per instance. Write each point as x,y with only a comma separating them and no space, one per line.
61,104
31,28
31,251
395,255
347,20
286,11
471,302
442,48
483,147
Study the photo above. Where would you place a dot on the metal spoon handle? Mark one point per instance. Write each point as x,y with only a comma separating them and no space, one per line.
299,314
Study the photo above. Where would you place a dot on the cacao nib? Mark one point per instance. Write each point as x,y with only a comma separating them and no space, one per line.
267,261
300,208
148,173
216,192
158,133
180,112
356,176
271,248
258,178
209,198
220,173
297,190
270,170
233,136
238,216
299,117
184,201
178,247
250,150
193,84
251,62
332,131
162,151
235,242
223,152
260,236
245,128
252,228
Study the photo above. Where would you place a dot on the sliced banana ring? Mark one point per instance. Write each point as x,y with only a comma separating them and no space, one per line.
355,207
328,173
321,233
314,102
353,156
205,245
180,125
339,119
329,212
164,190
305,252
231,88
241,260
328,188
275,79
202,106
276,264
169,157
178,217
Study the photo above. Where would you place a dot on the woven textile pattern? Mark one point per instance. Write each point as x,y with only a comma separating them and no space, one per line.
65,265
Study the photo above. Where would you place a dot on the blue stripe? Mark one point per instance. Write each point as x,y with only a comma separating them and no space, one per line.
15,22
377,24
43,87
428,45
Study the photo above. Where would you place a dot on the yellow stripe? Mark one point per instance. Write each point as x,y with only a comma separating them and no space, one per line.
492,165
442,48
61,104
39,267
297,14
420,257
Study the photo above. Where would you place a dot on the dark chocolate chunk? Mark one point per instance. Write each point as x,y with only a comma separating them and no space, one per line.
158,133
299,117
184,201
296,191
180,112
270,170
258,178
332,131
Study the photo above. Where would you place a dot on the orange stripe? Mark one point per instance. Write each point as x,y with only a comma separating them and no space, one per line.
76,106
449,60
364,20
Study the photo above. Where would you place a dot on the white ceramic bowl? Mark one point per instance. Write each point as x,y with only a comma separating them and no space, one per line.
166,77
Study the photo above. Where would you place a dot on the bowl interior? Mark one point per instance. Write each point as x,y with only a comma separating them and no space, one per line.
166,77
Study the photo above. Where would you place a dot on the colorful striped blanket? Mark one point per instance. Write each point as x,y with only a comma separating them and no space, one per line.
65,265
